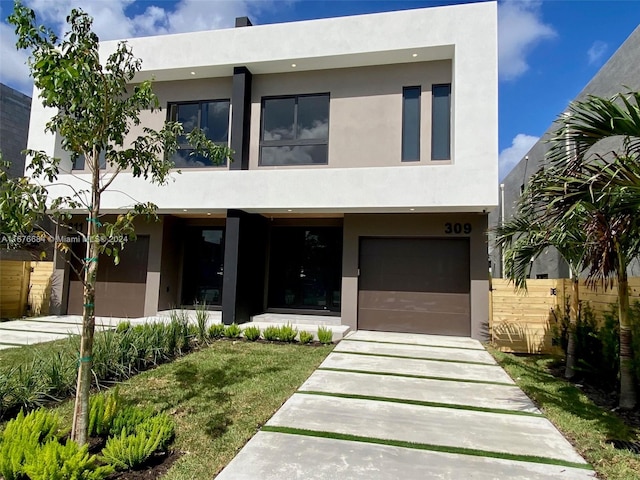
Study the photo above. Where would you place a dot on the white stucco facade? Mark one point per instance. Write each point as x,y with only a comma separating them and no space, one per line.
463,34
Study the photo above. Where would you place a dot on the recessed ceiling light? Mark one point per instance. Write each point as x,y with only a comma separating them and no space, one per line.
414,55
294,65
412,209
208,214
289,210
184,209
193,73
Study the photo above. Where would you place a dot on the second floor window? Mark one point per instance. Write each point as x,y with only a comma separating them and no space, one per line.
295,130
212,117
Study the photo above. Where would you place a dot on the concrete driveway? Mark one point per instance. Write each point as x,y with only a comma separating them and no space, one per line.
386,406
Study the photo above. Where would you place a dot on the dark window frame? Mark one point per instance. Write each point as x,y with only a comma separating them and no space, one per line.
404,98
434,122
172,106
293,142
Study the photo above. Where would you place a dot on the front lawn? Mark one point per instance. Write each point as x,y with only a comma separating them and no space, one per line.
219,397
586,425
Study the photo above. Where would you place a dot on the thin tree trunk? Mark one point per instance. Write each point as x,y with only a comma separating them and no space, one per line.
627,387
80,427
574,311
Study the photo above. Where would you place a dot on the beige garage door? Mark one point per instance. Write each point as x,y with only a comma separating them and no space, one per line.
416,285
120,289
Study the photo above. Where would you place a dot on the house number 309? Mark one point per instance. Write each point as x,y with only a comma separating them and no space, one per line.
457,228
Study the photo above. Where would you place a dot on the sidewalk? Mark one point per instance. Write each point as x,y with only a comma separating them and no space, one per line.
401,406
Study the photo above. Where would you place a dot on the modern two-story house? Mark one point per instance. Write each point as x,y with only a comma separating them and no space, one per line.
364,169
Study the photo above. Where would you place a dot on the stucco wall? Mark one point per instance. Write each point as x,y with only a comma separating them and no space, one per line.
365,115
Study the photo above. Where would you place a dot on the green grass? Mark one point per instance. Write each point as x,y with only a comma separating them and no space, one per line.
585,425
423,446
220,396
26,354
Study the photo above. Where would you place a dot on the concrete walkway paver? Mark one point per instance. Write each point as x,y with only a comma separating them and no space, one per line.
365,414
274,456
421,389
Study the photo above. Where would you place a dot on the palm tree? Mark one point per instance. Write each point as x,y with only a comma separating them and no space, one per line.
528,234
600,177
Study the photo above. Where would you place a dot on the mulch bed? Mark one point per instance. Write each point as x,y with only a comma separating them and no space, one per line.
154,468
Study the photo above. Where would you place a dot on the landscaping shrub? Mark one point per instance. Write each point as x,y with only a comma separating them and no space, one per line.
232,331
129,450
252,333
202,318
54,461
102,411
123,326
128,417
287,333
271,333
22,437
216,330
325,335
306,337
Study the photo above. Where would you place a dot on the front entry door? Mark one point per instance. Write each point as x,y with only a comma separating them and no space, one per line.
305,268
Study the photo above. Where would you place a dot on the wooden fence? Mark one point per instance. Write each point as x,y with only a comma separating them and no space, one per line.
25,288
523,321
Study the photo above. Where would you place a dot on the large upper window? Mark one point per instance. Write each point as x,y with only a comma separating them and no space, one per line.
212,117
441,122
295,130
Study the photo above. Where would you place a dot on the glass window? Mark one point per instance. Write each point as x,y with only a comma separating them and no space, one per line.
441,122
295,130
411,124
212,117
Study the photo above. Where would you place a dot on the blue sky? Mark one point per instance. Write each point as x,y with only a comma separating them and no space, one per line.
549,49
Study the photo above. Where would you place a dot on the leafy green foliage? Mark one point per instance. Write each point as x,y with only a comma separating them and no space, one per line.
271,333
54,461
102,411
132,448
216,330
287,333
202,318
123,326
232,331
306,337
251,333
325,335
128,418
22,437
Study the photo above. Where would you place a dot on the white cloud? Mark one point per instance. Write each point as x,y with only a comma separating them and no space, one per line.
520,29
510,156
596,52
112,22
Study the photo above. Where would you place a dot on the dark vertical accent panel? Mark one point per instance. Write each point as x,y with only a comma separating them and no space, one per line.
244,266
240,117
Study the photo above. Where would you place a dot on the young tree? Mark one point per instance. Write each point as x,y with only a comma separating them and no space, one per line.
596,182
95,105
529,233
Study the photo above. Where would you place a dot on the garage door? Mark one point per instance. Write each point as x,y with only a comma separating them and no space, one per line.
415,285
120,289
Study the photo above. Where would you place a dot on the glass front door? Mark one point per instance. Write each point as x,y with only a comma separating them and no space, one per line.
203,266
305,268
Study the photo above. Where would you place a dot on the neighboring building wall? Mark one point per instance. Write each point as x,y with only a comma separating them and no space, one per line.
14,127
621,73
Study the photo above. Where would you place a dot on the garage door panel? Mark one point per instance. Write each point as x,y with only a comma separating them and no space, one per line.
416,285
416,301
403,321
120,289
